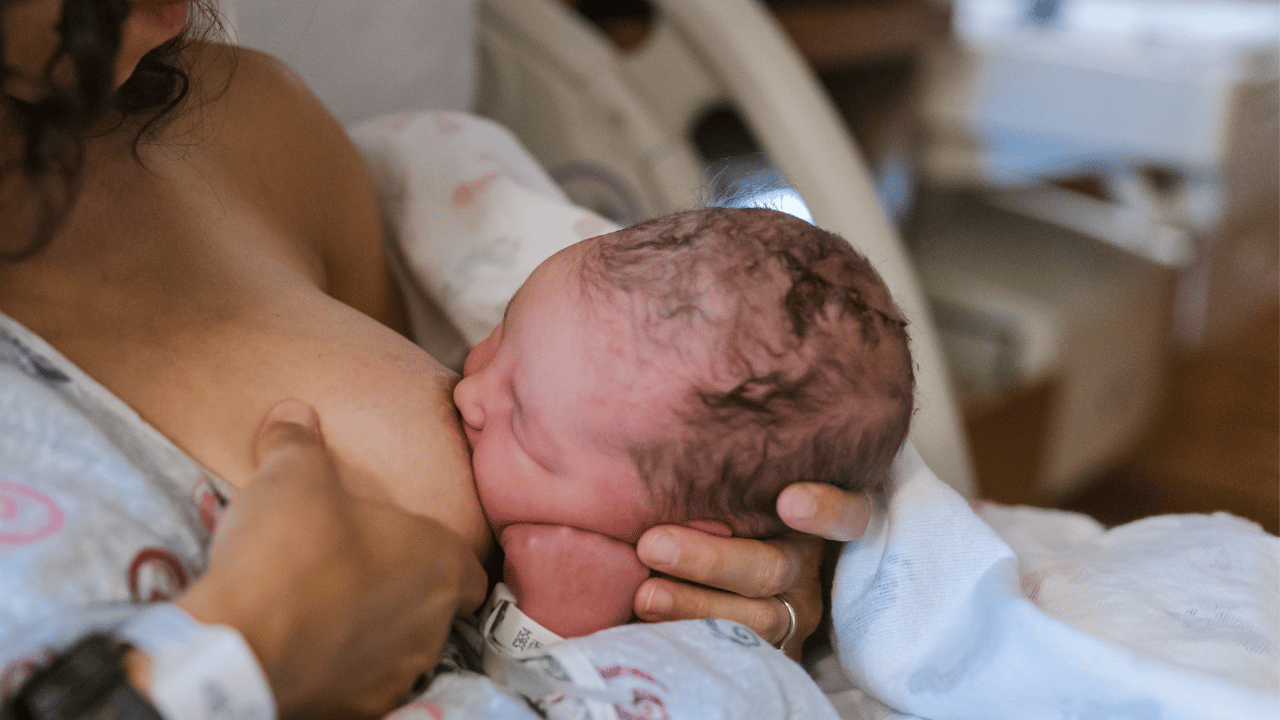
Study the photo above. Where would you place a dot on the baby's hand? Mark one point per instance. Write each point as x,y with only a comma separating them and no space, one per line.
572,582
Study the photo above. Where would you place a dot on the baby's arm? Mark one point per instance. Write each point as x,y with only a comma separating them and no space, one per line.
572,582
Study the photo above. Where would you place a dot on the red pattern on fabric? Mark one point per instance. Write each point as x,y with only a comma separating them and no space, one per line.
20,670
469,191
27,515
446,123
645,705
209,502
156,575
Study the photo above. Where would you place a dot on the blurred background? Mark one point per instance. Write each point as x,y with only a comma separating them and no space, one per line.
1089,190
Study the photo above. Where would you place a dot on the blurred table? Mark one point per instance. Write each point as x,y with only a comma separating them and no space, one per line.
836,34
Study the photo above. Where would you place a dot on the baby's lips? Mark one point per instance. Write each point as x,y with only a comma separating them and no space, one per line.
572,582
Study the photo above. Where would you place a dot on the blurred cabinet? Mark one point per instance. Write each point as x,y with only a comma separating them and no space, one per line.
1061,308
1173,107
1008,433
1058,341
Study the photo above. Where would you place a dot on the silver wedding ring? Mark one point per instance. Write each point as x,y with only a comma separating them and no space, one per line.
791,627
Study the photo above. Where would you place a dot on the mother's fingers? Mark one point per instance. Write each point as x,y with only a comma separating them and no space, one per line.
678,601
752,568
737,578
825,511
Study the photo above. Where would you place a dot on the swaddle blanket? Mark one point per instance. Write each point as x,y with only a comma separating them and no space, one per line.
470,212
943,612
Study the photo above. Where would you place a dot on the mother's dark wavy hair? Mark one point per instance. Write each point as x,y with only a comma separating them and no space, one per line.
52,130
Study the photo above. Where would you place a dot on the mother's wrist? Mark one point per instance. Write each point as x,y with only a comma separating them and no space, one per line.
192,670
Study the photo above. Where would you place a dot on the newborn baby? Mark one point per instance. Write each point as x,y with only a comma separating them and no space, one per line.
684,370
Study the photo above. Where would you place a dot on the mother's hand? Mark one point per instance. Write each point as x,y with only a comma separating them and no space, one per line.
738,579
344,600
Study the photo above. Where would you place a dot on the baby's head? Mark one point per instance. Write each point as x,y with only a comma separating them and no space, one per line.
686,370
790,359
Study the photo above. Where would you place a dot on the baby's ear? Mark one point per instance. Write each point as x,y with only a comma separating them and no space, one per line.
710,527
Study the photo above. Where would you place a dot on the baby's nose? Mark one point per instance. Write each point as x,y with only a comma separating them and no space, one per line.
466,397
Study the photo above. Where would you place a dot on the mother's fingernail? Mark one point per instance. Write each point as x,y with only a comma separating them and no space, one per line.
658,549
295,412
654,600
797,504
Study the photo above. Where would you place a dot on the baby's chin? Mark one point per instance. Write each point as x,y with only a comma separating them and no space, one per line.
572,582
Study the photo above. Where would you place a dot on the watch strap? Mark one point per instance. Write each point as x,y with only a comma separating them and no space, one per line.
86,682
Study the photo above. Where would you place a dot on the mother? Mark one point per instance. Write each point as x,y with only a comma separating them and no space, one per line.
186,224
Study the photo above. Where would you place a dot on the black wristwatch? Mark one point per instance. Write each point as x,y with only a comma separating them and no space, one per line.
87,682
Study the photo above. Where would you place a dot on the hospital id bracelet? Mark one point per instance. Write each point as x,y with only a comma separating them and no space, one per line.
505,627
199,671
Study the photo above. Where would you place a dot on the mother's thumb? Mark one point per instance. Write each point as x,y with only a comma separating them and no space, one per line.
290,423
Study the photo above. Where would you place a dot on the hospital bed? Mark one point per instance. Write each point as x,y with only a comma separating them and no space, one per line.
941,603
615,128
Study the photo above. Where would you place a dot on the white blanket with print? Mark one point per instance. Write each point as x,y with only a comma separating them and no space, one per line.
942,610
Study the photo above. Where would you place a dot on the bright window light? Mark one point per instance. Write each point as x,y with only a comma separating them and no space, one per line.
782,199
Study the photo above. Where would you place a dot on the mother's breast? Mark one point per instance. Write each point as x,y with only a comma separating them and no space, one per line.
385,405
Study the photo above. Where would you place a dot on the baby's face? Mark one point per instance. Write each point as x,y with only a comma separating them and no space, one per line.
550,412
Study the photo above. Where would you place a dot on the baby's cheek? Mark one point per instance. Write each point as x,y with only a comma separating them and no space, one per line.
572,582
499,495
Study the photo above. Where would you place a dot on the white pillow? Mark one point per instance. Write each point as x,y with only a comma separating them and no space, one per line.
365,58
470,213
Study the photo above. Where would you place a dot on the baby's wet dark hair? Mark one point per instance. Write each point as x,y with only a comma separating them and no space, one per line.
811,376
